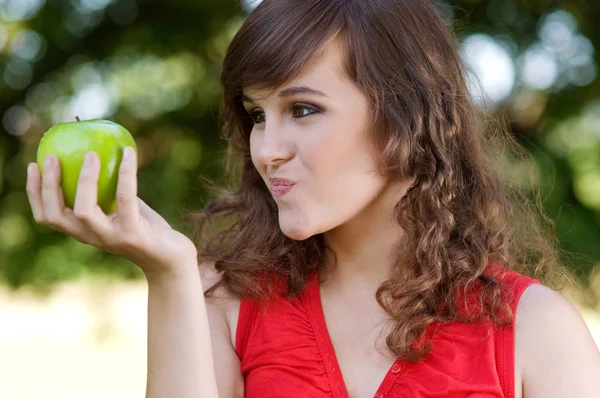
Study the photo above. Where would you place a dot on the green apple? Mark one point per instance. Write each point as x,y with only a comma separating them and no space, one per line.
72,140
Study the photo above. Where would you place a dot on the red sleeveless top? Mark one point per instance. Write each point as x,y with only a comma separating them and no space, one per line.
285,351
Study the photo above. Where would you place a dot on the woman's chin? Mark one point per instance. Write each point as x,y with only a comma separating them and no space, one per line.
297,231
297,235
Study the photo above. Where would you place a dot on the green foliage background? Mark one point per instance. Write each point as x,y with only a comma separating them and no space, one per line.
153,66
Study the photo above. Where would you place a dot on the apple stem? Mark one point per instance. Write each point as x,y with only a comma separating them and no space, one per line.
77,118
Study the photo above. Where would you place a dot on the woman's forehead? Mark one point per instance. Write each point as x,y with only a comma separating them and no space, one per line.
321,76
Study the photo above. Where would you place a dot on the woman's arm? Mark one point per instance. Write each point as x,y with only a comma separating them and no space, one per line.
190,352
180,361
556,353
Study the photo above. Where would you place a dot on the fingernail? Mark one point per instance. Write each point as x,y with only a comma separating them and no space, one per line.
29,170
127,153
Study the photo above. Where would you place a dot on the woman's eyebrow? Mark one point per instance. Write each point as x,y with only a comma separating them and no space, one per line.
287,92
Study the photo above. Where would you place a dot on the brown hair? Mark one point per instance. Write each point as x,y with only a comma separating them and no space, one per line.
460,215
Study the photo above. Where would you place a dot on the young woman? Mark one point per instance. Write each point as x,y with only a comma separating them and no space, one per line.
368,249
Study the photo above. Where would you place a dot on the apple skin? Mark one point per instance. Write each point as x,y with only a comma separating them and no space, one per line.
70,142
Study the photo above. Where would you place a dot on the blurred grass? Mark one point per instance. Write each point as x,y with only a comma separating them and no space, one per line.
87,339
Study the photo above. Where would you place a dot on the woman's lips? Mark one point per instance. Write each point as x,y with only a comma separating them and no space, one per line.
280,186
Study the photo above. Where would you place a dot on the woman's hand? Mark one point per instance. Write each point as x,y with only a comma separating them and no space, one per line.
134,232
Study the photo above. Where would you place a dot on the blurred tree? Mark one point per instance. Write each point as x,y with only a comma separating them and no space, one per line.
154,66
151,66
553,107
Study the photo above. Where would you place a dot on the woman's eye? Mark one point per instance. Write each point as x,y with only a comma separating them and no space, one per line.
302,108
254,115
298,112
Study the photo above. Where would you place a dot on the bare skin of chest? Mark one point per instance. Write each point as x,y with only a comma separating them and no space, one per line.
358,331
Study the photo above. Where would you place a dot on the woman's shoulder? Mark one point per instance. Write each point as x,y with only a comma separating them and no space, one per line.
210,277
539,304
223,306
554,348
512,283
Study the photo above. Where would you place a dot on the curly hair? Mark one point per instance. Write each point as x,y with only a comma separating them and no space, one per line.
460,215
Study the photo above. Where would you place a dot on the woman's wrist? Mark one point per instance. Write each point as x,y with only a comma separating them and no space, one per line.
173,275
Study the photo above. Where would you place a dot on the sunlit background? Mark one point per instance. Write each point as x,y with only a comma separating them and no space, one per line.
73,319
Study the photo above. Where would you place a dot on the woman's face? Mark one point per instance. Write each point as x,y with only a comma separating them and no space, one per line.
321,142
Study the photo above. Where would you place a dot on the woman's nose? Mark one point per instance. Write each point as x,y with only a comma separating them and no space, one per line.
271,146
